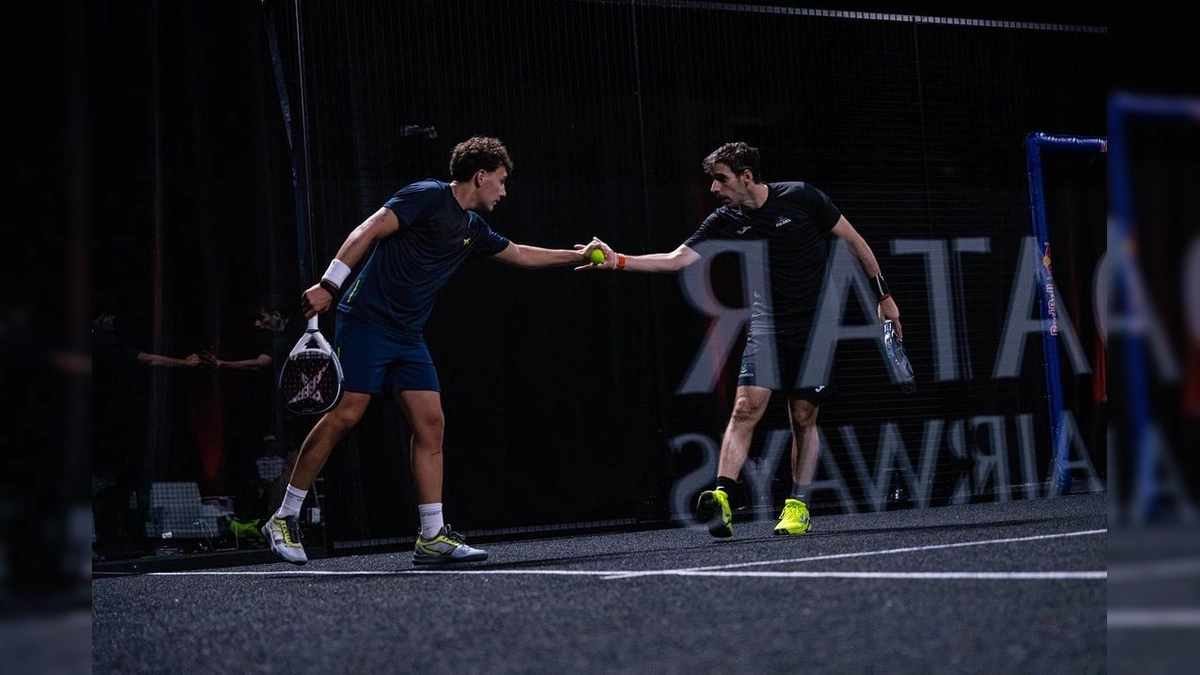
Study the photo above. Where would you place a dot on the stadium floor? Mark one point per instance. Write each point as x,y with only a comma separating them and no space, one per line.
997,587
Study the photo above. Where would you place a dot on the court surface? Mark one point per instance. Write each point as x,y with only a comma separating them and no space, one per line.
983,588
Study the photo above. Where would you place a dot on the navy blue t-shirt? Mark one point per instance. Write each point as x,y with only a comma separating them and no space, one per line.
397,285
795,221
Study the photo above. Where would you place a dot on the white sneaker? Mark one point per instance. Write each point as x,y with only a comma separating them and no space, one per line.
283,534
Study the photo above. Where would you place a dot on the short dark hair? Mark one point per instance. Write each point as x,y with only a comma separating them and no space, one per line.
738,157
475,153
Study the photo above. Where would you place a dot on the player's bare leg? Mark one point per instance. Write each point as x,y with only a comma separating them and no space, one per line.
282,530
424,412
436,543
806,447
806,442
713,505
748,409
324,437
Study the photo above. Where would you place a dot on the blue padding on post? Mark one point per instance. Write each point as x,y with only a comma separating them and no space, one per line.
1034,143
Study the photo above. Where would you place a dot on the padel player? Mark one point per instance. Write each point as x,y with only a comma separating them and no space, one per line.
412,245
797,221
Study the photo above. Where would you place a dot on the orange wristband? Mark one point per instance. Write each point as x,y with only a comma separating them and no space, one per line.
620,261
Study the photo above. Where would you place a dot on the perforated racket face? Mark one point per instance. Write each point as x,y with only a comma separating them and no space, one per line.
901,367
310,382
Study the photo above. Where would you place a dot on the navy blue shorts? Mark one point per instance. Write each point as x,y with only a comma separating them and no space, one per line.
374,362
785,359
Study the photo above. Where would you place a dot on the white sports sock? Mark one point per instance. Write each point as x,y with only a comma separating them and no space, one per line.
431,519
293,499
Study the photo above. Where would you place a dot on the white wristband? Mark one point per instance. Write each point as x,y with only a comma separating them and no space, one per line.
337,272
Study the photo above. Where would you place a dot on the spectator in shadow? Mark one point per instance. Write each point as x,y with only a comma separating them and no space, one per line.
247,383
118,410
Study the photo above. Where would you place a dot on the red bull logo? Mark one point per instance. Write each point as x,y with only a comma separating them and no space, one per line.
1050,309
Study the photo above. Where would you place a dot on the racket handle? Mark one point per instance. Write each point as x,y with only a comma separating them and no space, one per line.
314,323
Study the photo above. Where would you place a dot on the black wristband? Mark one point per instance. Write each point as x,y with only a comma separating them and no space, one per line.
879,285
329,287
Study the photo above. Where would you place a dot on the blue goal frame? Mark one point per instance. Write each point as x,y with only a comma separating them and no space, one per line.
1035,144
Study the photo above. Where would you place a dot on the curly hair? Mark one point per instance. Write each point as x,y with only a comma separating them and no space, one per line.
738,157
475,153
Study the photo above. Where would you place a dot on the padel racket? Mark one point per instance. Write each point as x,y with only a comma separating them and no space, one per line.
898,363
310,381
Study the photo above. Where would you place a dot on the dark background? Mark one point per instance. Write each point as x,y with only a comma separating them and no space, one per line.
559,387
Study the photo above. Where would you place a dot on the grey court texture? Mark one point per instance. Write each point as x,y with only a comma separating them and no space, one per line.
984,588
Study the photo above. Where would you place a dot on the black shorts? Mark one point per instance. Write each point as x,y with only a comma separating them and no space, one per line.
786,359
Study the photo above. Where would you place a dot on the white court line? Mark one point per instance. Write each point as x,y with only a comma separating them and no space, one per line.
606,574
860,554
1154,618
1006,576
723,570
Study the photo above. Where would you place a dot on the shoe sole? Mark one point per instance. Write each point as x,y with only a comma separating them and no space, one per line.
271,545
447,560
706,510
782,531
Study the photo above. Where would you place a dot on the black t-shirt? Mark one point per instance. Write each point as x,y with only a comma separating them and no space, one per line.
795,221
249,394
109,349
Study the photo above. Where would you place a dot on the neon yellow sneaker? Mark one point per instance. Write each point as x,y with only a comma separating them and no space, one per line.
713,508
248,531
447,546
794,519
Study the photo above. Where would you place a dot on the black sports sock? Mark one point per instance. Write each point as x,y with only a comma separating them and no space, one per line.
800,492
729,485
736,491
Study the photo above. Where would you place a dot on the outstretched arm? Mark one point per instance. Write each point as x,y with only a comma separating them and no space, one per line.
158,360
887,308
533,257
257,363
655,263
380,224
